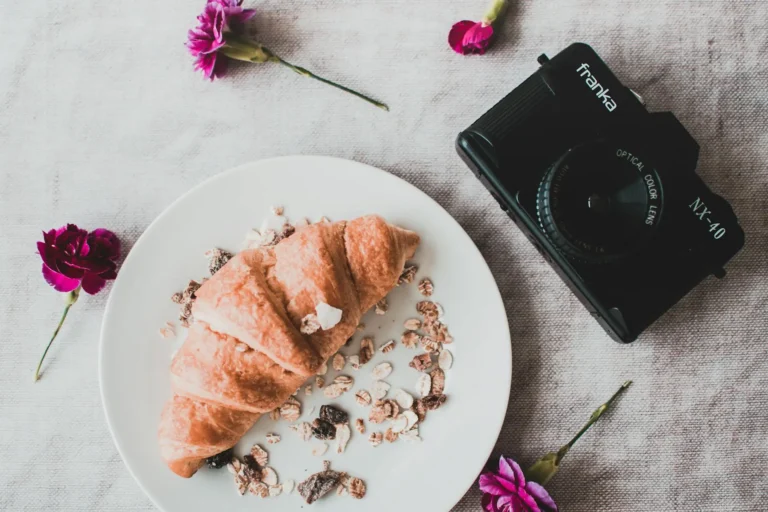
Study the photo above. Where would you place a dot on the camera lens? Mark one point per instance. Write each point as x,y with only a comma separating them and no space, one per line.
600,202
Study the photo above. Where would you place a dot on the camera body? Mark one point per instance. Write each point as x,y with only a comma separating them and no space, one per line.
604,189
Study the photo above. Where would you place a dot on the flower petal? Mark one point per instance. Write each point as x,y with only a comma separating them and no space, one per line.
510,470
456,35
477,38
490,484
60,282
530,501
104,244
93,284
545,501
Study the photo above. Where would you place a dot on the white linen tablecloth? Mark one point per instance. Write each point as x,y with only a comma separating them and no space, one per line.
103,123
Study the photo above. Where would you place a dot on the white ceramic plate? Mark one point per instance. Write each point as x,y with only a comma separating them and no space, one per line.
457,439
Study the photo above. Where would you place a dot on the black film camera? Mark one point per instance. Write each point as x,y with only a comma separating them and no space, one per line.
605,190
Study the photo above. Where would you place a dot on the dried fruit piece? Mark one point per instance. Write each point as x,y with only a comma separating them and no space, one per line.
424,384
399,424
412,418
428,310
273,438
366,350
420,409
259,489
221,459
381,371
432,402
343,433
380,411
310,324
379,389
426,287
260,455
412,324
322,370
390,435
333,415
268,476
318,485
360,425
403,398
304,430
445,360
338,362
381,307
438,381
319,450
288,486
422,362
354,362
410,339
408,274
291,409
388,346
319,382
429,345
363,398
375,438
323,430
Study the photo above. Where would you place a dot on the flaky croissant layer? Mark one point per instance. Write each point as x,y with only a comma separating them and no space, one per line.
259,299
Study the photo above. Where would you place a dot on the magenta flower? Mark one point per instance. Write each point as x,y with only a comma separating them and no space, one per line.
507,491
473,37
220,36
74,260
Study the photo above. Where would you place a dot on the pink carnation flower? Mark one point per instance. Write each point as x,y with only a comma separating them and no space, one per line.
508,491
473,37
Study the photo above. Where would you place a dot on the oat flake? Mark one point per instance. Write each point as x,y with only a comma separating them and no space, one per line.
319,449
272,438
410,339
426,287
399,424
338,362
275,490
375,438
424,384
403,398
304,430
260,455
343,433
319,382
379,389
363,398
290,410
412,418
360,425
381,371
412,324
323,369
388,347
354,362
288,486
268,476
445,360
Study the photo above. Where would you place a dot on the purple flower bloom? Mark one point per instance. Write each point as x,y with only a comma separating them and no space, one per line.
470,37
507,491
72,257
218,18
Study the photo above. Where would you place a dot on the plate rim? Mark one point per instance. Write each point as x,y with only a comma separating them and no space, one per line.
253,166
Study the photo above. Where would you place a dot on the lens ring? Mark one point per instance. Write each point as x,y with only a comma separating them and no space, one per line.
600,202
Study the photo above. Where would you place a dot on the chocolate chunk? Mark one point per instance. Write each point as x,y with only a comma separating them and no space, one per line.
333,415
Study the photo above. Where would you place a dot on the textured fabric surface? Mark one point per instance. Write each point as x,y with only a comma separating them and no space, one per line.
104,123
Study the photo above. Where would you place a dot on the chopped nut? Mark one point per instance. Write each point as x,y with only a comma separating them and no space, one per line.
259,489
445,360
412,324
403,399
260,455
273,438
357,488
274,414
381,307
291,409
177,297
333,415
363,398
275,490
381,371
422,362
345,381
308,390
288,486
408,274
323,369
380,411
268,476
429,345
319,382
432,402
343,433
379,389
318,485
438,381
360,425
354,362
420,409
217,258
366,349
395,408
327,466
390,435
310,324
439,331
277,210
426,287
323,430
304,430
424,384
319,450
410,339
338,362
388,346
428,310
375,438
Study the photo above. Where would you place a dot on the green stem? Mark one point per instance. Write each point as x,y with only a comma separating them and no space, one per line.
494,11
71,299
305,72
592,420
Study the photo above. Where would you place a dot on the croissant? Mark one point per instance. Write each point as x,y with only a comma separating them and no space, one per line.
245,353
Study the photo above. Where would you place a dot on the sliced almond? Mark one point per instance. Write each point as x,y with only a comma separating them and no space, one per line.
381,371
